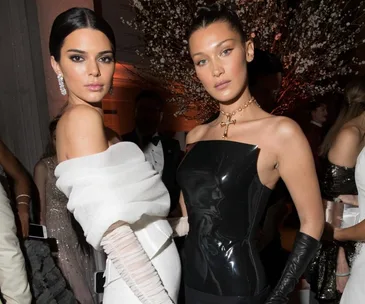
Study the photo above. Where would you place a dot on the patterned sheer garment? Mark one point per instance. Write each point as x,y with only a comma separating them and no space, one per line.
77,265
337,181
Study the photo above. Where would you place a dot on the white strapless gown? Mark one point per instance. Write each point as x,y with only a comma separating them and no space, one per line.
119,184
354,292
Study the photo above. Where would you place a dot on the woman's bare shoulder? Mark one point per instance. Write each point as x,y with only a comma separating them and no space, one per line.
196,134
81,129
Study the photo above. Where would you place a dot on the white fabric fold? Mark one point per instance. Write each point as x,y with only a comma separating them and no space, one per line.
116,185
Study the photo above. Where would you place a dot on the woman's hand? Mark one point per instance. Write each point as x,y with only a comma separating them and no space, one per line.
23,212
349,200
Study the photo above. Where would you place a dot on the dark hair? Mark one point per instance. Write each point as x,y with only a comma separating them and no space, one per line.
354,106
50,148
149,94
315,105
207,15
264,63
72,20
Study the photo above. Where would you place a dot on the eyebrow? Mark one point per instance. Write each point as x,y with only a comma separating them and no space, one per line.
83,52
218,45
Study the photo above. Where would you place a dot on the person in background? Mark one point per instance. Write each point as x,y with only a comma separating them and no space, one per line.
75,256
161,151
14,285
314,131
265,76
330,269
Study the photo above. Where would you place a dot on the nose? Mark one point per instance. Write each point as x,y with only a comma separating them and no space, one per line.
217,69
93,68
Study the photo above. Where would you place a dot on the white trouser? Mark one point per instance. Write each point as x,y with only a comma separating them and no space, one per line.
14,284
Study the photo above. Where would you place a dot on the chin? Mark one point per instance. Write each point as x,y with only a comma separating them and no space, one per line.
94,97
226,97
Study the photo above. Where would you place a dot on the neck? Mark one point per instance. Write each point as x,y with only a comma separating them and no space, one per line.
244,104
74,101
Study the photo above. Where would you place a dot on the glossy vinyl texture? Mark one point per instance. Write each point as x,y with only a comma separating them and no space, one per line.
225,201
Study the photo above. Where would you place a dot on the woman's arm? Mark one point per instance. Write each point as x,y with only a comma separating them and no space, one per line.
296,167
40,178
22,185
353,233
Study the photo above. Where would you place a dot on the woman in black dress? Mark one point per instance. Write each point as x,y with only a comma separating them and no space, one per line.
232,165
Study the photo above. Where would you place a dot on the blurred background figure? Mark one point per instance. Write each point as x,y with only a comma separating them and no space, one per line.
14,284
75,256
163,152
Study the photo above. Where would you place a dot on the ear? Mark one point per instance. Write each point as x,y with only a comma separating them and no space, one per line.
250,50
55,65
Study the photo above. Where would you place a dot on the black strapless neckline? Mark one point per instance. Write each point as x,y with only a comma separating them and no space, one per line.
225,200
229,142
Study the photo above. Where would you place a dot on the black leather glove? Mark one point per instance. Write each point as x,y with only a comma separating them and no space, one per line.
304,250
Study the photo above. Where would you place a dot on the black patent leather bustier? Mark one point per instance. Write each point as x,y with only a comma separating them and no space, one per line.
225,201
338,180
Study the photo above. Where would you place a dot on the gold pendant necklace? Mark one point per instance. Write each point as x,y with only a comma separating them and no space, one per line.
229,116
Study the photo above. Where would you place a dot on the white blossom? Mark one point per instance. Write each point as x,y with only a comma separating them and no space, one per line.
312,39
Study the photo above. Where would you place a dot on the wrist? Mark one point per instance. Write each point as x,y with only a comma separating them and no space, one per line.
23,208
343,274
339,235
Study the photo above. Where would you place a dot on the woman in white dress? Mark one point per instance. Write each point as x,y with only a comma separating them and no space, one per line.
355,289
115,195
330,269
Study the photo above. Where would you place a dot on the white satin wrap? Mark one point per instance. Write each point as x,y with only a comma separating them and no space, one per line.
117,184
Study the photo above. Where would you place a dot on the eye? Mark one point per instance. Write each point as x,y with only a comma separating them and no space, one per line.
76,58
106,59
201,62
226,52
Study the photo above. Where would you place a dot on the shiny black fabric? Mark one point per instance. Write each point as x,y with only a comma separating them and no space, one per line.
338,180
225,201
322,271
305,247
196,297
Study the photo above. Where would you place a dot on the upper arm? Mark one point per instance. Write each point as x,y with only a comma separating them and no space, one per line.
11,165
40,175
40,179
81,130
346,147
296,168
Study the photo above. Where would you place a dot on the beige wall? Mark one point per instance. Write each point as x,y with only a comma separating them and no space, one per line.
47,12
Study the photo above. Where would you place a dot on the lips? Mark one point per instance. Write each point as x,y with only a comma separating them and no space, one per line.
222,84
95,87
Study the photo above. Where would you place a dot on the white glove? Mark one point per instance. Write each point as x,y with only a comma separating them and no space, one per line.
179,225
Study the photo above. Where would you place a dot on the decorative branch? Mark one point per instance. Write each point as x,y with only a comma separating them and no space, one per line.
314,40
